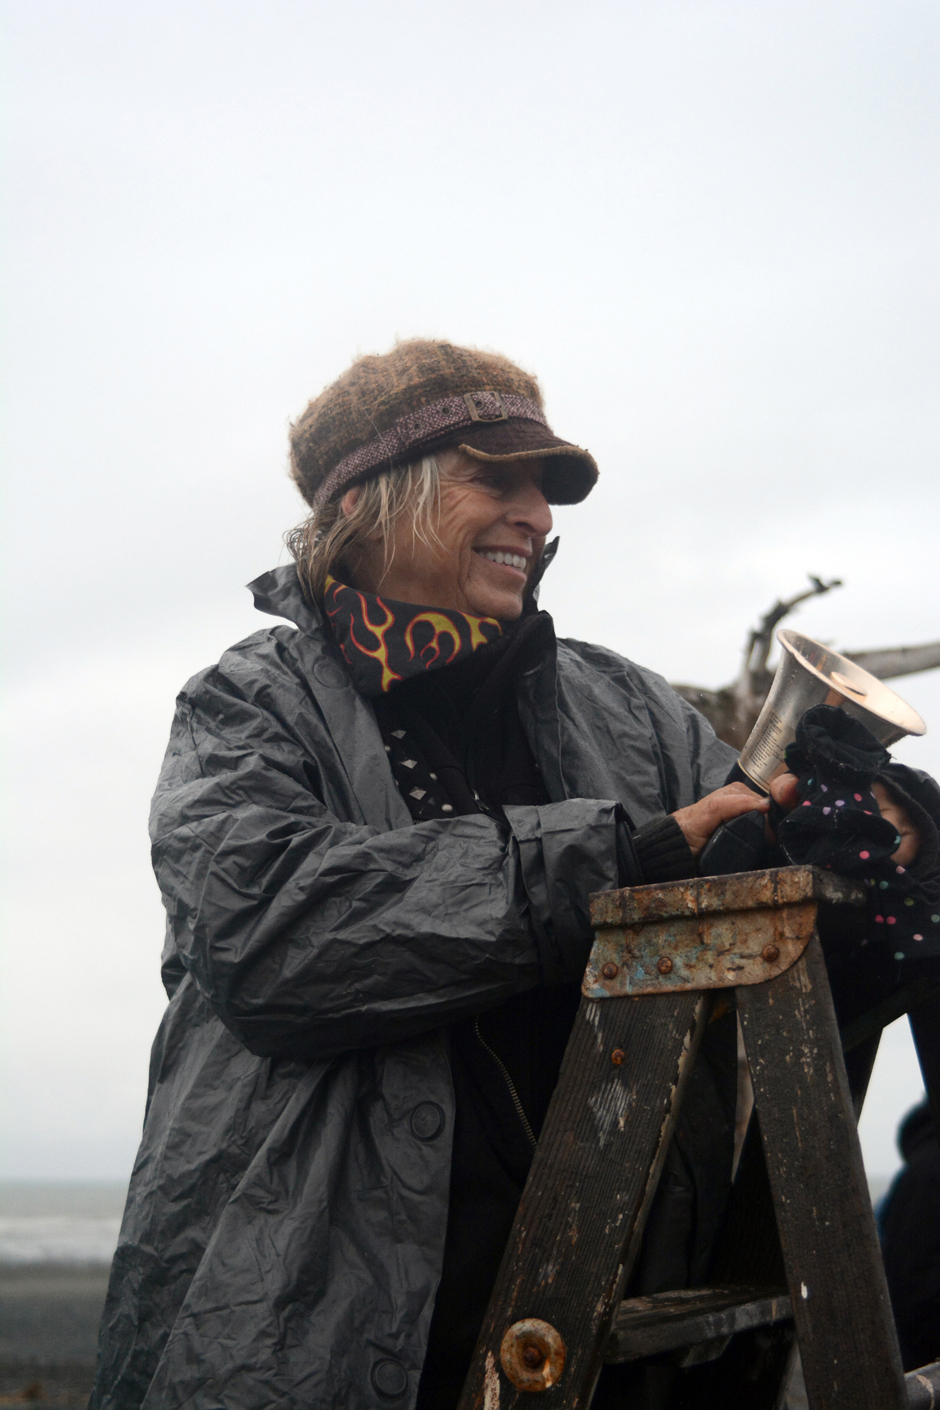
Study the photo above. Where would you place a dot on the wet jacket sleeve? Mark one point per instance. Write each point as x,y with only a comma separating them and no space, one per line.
310,935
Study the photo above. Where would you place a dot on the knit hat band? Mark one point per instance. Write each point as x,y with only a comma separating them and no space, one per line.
419,429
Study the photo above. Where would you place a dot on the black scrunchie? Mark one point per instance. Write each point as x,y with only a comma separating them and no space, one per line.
837,824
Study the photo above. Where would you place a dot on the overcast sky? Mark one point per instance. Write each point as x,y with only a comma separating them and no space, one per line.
710,229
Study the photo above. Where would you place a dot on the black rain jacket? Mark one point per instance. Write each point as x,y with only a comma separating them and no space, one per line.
285,1225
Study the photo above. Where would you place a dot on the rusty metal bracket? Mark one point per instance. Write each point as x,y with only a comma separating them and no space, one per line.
714,932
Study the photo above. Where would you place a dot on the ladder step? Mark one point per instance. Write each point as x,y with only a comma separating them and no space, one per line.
923,1387
648,1326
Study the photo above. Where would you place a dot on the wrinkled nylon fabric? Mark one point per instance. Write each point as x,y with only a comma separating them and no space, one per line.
285,1225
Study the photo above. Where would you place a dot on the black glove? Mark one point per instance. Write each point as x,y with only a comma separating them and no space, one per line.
837,825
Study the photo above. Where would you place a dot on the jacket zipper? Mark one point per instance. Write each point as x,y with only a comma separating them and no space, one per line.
509,1083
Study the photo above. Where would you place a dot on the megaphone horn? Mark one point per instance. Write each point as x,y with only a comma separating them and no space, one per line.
811,674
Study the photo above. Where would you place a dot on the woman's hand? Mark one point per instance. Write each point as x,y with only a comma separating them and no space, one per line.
701,819
784,790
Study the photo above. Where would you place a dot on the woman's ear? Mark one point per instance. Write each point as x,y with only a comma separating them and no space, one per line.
348,503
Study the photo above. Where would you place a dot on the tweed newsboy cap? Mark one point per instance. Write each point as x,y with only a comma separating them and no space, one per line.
423,396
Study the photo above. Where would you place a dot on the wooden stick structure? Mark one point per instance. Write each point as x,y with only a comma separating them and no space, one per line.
799,1253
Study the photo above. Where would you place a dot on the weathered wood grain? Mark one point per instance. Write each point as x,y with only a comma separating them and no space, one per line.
648,1326
580,1221
827,1232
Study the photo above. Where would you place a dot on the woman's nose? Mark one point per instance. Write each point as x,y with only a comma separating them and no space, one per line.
531,510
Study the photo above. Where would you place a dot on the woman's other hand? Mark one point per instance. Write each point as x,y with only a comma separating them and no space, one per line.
894,812
784,791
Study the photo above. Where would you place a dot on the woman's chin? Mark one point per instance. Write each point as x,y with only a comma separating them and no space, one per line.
504,606
501,598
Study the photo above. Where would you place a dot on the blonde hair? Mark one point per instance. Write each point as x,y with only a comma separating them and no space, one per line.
320,544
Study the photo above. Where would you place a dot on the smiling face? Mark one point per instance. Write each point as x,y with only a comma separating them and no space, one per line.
493,524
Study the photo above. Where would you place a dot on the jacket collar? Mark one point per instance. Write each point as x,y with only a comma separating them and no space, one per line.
279,593
550,700
348,717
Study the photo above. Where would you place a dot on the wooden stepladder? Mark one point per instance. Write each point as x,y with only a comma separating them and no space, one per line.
800,1249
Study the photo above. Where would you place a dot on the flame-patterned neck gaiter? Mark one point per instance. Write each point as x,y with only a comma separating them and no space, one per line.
384,641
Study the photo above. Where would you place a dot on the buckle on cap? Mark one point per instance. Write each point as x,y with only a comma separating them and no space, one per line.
474,410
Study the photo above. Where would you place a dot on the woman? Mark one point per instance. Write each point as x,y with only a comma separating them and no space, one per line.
375,834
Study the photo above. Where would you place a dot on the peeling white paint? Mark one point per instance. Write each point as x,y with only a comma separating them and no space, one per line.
574,1214
609,1107
592,1013
622,1118
490,1384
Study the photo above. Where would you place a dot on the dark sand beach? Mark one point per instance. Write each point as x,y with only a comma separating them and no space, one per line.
49,1315
50,1308
56,1240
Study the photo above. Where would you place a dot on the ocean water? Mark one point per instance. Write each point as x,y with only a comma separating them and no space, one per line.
59,1221
46,1221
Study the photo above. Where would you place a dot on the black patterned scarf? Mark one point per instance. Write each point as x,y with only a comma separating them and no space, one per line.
384,641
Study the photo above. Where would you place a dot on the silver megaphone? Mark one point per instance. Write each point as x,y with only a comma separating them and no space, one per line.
811,674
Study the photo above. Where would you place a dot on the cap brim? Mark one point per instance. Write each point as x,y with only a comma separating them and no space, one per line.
570,472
